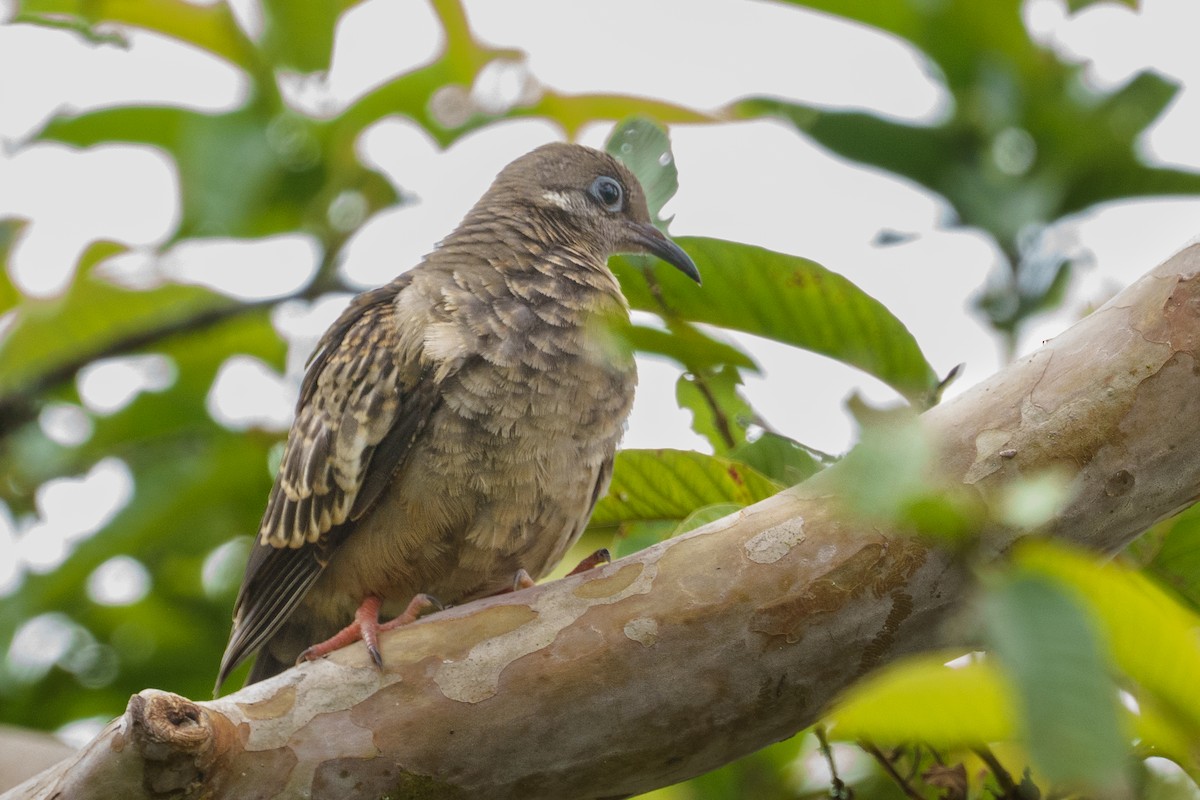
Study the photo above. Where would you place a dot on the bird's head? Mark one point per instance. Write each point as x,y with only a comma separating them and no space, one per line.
587,197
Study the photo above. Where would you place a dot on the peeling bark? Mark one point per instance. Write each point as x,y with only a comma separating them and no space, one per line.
680,658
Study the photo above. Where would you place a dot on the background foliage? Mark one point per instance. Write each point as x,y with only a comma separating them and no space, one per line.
1087,682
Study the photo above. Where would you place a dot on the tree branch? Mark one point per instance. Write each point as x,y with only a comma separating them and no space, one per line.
21,405
675,660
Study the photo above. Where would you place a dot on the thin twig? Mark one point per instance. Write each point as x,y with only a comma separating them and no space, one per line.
837,788
888,767
720,419
1003,777
20,406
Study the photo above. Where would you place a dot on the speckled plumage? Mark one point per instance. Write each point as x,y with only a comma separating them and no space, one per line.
458,424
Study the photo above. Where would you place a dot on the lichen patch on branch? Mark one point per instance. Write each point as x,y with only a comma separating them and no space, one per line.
776,542
642,630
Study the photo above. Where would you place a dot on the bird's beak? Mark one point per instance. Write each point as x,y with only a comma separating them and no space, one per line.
651,240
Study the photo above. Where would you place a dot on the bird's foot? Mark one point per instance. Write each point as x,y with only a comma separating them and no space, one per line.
601,556
522,580
367,627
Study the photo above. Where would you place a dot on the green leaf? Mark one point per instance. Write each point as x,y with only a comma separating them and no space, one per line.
48,334
719,412
1069,711
1007,156
181,411
1176,557
1150,636
688,346
671,484
785,298
644,147
247,173
181,461
10,231
921,699
299,36
702,516
781,459
634,536
889,467
210,27
1076,6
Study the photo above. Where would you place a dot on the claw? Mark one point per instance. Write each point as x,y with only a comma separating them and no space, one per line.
522,580
366,626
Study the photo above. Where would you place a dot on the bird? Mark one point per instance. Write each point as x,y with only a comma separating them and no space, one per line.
456,426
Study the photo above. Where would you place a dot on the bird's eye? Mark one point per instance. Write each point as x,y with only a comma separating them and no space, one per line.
608,193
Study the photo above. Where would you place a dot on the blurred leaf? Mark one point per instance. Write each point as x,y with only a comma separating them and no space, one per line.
181,411
573,112
1078,5
1160,733
1069,712
178,632
719,411
1007,155
702,516
671,484
643,146
688,346
11,229
951,515
437,98
1175,559
1040,284
1004,86
245,173
769,774
890,466
921,699
299,36
781,459
786,298
1160,782
93,315
1150,636
210,27
196,486
634,536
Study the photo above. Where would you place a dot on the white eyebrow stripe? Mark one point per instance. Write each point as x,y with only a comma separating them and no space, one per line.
562,200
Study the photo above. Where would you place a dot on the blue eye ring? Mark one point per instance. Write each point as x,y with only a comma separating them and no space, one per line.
608,192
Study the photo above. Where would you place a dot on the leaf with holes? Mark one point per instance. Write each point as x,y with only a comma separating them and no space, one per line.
643,146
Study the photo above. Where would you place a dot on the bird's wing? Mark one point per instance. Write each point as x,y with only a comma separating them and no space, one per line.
360,410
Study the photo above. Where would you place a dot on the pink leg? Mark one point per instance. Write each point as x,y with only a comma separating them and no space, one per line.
522,580
366,626
601,556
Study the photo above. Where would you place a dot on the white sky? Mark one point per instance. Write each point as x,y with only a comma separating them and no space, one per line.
756,182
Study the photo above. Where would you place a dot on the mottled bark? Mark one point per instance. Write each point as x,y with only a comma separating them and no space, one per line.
680,658
24,753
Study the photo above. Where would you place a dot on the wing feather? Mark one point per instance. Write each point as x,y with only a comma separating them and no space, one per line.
359,413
